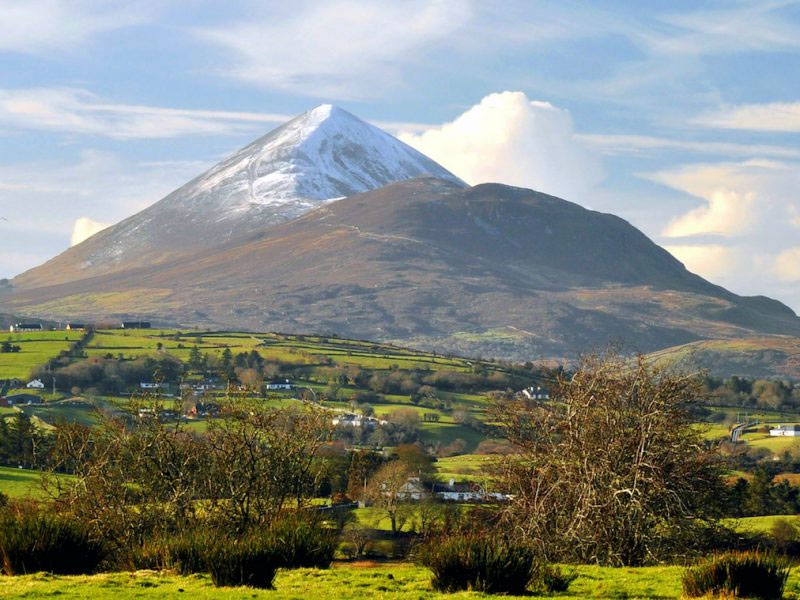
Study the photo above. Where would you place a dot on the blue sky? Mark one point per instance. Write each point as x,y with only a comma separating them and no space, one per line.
681,117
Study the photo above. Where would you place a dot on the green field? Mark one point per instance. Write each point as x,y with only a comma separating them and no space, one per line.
23,483
36,348
776,445
467,467
358,581
759,524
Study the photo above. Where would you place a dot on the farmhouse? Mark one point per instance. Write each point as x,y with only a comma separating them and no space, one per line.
413,489
149,385
536,393
136,324
785,431
279,385
76,326
351,420
35,384
25,327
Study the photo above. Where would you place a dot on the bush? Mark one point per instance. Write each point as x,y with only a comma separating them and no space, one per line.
184,553
478,562
302,542
251,560
738,575
551,579
32,541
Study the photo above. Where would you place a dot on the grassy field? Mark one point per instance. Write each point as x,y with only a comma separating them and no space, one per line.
357,581
759,524
36,348
776,445
23,483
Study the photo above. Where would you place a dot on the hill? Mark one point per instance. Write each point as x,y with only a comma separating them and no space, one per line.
492,270
758,357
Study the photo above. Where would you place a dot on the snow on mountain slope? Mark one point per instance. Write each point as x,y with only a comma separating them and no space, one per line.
323,154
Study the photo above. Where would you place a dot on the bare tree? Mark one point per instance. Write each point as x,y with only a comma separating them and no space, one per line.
612,469
386,491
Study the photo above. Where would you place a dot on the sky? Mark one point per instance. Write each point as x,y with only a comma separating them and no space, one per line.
681,117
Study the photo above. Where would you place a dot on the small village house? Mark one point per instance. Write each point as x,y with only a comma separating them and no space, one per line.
785,431
35,384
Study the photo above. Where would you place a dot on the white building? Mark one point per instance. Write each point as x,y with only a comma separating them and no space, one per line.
785,431
536,393
25,327
279,385
36,384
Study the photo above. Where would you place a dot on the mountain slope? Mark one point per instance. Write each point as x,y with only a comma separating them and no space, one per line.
323,154
491,270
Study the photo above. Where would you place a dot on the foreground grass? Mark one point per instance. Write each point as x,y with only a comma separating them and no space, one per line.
366,580
402,581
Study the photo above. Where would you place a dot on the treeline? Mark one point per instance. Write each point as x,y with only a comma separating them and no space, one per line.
771,394
109,375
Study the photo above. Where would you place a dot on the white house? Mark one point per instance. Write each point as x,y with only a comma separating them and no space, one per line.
146,385
25,327
536,393
36,384
785,431
351,420
279,385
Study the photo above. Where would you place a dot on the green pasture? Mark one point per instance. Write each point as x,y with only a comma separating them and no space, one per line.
759,524
364,580
36,348
469,467
776,445
23,483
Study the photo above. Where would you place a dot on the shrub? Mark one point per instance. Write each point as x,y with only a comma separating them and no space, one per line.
478,562
552,579
184,553
738,574
251,560
32,541
301,542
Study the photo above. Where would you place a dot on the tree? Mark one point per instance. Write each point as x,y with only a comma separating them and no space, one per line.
363,466
612,470
195,358
416,460
385,490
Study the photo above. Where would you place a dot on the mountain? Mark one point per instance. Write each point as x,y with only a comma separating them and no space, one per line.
776,356
492,270
323,154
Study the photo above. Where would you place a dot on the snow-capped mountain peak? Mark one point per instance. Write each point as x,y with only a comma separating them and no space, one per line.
323,154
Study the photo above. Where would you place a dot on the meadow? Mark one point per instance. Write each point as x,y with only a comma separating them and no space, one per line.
357,580
36,348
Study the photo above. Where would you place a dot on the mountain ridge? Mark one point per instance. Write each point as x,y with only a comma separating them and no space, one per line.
488,270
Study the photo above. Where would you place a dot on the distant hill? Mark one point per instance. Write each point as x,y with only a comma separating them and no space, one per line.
758,357
489,270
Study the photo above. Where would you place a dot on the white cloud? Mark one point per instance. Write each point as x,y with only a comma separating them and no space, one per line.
713,261
78,111
732,28
726,213
772,116
85,228
507,138
43,26
787,265
338,49
639,145
744,234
